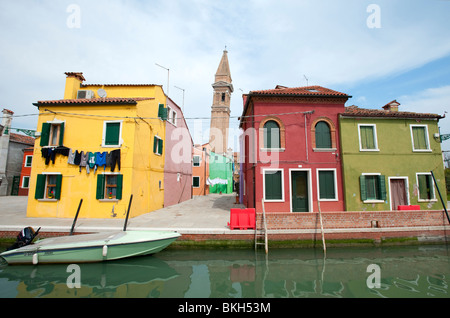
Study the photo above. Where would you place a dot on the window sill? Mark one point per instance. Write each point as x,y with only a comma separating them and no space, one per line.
272,149
373,201
422,150
369,150
109,200
324,149
328,200
425,201
48,200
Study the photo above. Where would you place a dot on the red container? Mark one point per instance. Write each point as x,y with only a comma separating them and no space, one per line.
408,207
242,219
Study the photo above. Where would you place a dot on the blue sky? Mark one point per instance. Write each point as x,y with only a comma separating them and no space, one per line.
399,50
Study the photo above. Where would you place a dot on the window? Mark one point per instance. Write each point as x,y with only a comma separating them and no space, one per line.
327,184
196,182
373,187
26,182
48,186
271,135
323,135
171,116
112,130
367,138
162,112
425,185
196,161
52,134
419,135
157,145
273,185
28,161
109,186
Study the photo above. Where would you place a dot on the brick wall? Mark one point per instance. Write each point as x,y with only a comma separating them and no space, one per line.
342,220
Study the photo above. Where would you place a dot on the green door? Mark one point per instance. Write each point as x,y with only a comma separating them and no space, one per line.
299,195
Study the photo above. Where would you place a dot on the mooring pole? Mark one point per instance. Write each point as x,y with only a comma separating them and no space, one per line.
440,196
76,217
128,213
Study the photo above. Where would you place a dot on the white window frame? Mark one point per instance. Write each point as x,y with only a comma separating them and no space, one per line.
372,200
157,147
198,182
26,160
427,138
375,137
199,161
432,187
23,182
264,170
105,123
334,170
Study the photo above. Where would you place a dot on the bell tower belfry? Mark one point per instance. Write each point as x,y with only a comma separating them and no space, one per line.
220,110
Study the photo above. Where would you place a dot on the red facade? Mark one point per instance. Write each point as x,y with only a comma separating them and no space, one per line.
26,171
291,149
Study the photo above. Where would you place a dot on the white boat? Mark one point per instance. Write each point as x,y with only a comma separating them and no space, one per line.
87,248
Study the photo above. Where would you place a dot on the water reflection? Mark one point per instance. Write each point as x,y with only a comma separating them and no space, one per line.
405,272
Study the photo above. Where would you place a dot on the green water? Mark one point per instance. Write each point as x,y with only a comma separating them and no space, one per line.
406,272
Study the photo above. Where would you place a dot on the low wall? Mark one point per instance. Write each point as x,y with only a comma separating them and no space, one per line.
360,219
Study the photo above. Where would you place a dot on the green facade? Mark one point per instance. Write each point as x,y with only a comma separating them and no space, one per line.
386,158
220,173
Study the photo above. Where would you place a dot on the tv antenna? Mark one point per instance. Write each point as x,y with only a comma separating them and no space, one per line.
306,80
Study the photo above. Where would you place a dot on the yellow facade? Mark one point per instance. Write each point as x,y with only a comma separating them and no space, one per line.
84,122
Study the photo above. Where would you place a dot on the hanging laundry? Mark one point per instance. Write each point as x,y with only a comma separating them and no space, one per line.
77,159
48,154
71,156
100,160
61,150
91,160
114,159
84,160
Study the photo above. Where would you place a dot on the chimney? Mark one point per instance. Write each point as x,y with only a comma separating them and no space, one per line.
392,106
73,84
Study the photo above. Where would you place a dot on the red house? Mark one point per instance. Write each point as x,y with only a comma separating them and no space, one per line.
26,171
292,158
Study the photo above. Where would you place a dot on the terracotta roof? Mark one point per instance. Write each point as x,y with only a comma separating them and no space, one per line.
355,111
87,85
301,91
78,75
106,100
21,139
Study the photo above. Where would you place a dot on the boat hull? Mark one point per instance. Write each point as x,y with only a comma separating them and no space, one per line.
90,248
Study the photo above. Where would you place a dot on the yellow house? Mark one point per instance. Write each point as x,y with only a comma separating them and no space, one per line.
102,144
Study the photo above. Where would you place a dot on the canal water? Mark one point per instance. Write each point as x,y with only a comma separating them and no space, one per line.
350,272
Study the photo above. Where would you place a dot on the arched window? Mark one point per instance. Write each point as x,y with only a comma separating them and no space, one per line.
323,135
271,134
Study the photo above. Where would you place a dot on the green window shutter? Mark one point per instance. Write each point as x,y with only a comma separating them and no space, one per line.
40,187
381,195
162,112
112,134
100,187
323,135
45,134
326,185
362,183
119,187
61,134
58,187
271,135
367,137
160,146
273,185
155,144
420,141
425,187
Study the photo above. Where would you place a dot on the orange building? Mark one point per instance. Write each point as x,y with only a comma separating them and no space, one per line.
200,169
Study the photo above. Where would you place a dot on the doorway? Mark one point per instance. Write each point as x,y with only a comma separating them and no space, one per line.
398,192
299,191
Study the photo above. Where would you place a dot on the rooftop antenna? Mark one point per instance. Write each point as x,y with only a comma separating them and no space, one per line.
168,76
182,107
306,80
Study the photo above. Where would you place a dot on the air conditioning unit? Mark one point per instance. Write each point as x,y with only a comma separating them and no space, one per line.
85,94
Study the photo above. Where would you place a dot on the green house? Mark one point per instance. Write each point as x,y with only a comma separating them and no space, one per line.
387,158
220,173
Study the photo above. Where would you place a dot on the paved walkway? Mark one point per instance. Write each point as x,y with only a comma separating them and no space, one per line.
205,214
